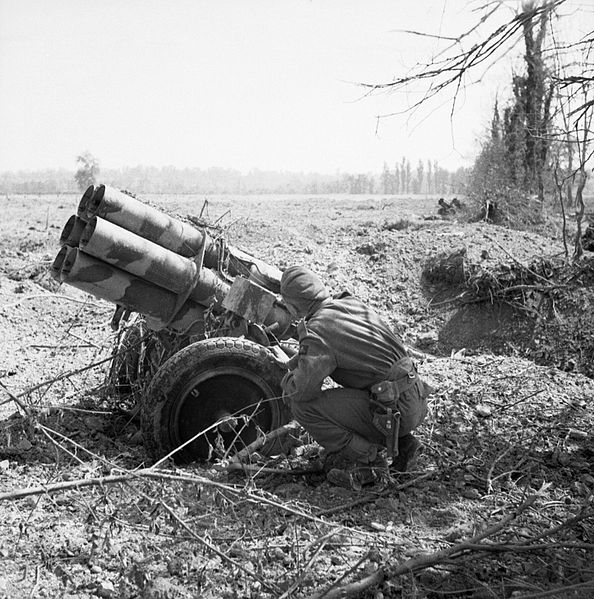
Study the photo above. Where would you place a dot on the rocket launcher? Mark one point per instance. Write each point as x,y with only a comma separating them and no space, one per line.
121,250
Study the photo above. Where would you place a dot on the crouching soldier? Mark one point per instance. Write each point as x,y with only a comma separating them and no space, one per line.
381,399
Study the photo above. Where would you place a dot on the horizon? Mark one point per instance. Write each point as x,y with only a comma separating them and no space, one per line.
72,170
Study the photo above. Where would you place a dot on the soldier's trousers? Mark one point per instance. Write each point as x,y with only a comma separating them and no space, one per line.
341,421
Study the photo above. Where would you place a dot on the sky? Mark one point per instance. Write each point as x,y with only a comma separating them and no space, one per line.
241,84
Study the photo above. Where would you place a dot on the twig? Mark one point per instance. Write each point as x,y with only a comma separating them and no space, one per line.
522,399
56,295
529,547
321,544
16,400
419,355
64,375
63,346
204,207
373,497
277,433
448,301
526,287
50,431
489,482
221,217
46,432
589,513
36,584
76,484
247,418
354,589
236,466
83,339
334,591
559,591
249,495
217,551
516,260
151,473
427,560
499,293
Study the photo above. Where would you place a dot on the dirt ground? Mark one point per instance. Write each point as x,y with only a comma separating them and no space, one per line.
500,503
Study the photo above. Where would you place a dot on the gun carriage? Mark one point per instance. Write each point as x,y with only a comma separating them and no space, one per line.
209,330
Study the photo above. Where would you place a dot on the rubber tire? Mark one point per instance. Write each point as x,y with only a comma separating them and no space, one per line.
180,403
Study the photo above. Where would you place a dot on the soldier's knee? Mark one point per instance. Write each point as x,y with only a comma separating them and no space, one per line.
304,411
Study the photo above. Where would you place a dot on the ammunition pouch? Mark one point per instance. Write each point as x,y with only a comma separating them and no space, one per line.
399,403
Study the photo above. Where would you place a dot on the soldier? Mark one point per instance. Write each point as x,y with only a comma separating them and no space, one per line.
381,399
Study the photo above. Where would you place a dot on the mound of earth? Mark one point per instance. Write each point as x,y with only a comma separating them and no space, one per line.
385,262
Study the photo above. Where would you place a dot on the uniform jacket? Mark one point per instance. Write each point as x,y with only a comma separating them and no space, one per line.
346,340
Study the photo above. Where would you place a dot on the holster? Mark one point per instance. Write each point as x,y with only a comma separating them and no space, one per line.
389,396
386,416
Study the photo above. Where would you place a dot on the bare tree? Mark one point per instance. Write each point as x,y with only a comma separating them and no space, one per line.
540,127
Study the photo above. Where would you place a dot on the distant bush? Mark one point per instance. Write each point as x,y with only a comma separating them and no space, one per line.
398,225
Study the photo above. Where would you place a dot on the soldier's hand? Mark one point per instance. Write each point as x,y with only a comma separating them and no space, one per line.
280,357
293,362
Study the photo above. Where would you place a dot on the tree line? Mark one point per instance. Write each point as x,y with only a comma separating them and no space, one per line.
426,178
538,153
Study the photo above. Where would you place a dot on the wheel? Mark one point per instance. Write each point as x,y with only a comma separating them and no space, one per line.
224,378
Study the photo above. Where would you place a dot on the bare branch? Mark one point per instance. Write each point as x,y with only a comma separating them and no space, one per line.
421,34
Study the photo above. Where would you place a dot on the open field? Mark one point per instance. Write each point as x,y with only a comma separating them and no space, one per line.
500,503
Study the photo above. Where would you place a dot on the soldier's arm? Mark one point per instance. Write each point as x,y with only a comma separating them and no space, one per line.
315,362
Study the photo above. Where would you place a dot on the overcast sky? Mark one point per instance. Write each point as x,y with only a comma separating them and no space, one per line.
243,84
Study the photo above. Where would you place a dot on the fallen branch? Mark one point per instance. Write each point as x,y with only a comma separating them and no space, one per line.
281,431
335,591
238,466
353,589
77,484
559,591
428,560
502,548
151,473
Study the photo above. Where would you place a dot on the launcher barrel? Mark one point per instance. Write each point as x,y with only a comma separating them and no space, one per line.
126,252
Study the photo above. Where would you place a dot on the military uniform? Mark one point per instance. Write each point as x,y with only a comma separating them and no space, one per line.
345,340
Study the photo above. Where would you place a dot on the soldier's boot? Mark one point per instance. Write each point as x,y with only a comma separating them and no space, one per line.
408,448
355,466
357,475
